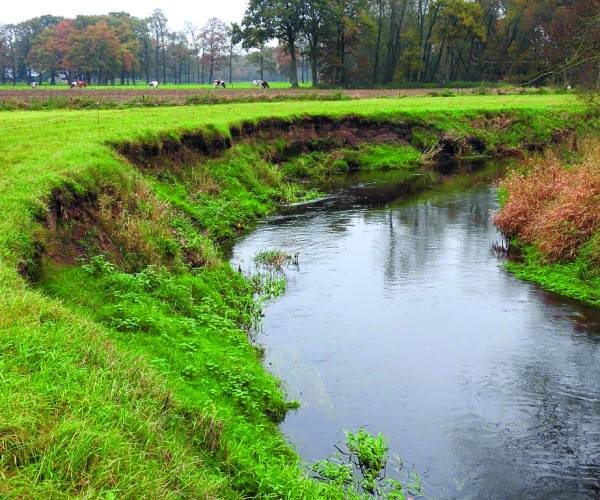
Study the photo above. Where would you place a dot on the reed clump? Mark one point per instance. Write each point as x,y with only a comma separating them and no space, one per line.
553,207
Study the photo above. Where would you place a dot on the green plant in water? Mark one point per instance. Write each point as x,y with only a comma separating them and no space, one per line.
371,453
275,258
335,470
270,285
362,467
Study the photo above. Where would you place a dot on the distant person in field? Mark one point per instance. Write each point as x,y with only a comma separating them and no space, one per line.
34,85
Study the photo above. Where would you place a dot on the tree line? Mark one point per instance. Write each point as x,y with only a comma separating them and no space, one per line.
120,48
334,42
387,42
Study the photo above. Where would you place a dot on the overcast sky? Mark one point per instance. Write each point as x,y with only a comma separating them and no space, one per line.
177,11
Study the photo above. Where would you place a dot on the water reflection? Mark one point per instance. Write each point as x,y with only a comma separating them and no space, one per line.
400,319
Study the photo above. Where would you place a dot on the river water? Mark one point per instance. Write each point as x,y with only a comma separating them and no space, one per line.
400,319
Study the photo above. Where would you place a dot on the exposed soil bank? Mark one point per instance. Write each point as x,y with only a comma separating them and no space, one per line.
297,136
291,137
125,224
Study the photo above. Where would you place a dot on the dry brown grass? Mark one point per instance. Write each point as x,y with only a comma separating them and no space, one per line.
552,206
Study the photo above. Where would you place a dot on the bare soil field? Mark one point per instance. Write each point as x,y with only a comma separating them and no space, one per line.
24,97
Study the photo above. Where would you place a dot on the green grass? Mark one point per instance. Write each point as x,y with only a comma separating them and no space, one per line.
577,280
143,383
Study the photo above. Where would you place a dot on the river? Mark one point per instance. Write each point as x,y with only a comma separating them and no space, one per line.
400,319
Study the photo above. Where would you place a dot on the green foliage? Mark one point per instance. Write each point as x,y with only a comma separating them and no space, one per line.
335,471
441,93
361,467
269,285
383,157
371,452
577,280
191,328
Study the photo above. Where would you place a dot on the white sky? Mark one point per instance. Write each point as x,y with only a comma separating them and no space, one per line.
177,11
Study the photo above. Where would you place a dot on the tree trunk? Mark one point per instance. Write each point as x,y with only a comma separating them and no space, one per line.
438,59
164,63
156,63
378,43
342,51
262,64
294,62
203,67
146,61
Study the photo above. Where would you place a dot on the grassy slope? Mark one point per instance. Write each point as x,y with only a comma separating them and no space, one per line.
80,410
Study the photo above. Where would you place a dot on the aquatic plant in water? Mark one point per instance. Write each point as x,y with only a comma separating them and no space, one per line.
362,465
275,258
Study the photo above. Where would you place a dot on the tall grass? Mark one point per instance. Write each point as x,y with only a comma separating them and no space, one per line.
553,207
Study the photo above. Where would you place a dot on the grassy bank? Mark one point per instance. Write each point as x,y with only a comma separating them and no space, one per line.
551,216
124,351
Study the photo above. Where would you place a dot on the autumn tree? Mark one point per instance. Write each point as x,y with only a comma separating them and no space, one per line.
345,42
349,43
195,43
215,36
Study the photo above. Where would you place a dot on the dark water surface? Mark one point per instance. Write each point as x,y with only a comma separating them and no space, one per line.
400,319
